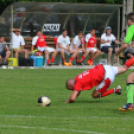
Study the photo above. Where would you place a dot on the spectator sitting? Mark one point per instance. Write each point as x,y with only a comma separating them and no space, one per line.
129,52
106,41
75,45
91,46
39,41
4,50
18,43
63,43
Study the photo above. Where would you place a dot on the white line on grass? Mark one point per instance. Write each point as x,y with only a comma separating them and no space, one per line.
55,117
56,129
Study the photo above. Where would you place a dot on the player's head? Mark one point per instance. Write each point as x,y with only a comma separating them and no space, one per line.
64,32
80,34
108,30
2,38
70,84
17,31
130,18
92,31
39,33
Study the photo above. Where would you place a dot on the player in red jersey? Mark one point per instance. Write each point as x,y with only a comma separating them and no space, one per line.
40,43
91,47
100,76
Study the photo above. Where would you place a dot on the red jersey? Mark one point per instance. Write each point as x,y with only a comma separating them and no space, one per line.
90,78
91,41
41,41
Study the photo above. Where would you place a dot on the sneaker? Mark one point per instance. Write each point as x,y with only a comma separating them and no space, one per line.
70,64
90,61
66,64
52,63
49,64
79,63
118,90
127,107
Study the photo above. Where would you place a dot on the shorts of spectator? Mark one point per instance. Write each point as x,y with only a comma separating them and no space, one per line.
105,49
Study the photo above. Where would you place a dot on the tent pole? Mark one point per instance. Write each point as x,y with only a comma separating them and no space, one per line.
12,31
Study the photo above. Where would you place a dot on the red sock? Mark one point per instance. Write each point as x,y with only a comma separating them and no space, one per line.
48,61
107,92
129,63
83,57
77,58
63,60
52,59
71,59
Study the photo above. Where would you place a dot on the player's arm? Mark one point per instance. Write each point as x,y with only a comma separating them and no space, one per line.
68,48
128,38
60,46
103,42
73,96
117,42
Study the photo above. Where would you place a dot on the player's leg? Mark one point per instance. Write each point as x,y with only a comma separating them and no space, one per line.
122,48
54,53
73,55
130,93
7,55
62,54
0,59
97,53
90,60
16,53
25,52
101,89
110,50
85,53
46,52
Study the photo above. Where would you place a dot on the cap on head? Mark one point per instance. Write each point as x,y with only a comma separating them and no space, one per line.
108,28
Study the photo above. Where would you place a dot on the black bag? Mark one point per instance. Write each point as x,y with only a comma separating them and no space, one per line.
25,62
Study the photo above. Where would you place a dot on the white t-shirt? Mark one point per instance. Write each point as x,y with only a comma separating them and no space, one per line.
104,37
88,37
17,41
63,41
75,41
34,40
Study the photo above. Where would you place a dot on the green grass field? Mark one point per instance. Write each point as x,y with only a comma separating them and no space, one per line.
20,113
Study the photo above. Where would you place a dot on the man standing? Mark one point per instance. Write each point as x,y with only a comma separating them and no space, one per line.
18,43
106,41
63,47
130,78
4,50
39,42
91,46
75,45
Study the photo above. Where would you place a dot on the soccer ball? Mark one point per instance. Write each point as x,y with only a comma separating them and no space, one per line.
44,101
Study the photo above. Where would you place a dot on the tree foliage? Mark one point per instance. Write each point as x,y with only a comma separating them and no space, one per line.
5,3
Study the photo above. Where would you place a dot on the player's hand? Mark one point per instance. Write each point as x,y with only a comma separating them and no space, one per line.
115,59
67,101
108,41
68,50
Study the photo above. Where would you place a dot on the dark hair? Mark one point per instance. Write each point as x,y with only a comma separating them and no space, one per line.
38,31
81,33
92,28
130,16
64,30
1,36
